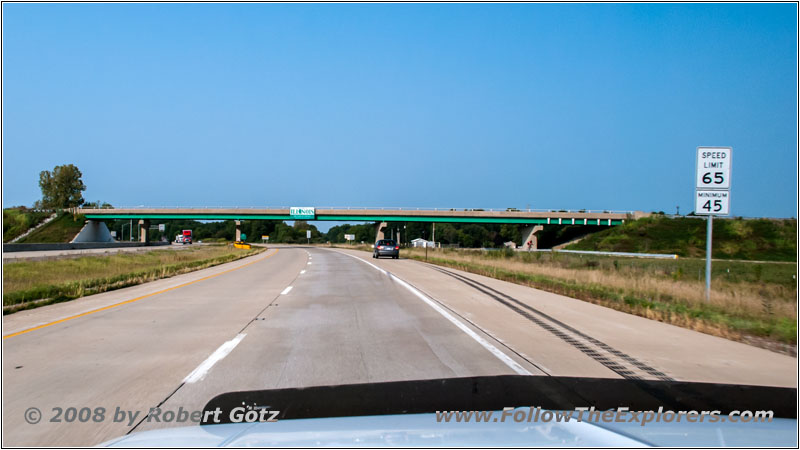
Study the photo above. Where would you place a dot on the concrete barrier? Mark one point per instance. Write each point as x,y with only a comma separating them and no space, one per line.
7,248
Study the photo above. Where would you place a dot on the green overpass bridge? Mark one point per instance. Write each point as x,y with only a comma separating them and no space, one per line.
535,219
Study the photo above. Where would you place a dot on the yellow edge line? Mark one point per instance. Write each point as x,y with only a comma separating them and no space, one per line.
135,299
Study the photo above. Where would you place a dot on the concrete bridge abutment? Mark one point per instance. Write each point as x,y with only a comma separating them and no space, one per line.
529,235
379,231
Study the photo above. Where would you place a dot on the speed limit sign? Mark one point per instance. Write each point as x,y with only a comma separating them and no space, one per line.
713,168
712,195
713,181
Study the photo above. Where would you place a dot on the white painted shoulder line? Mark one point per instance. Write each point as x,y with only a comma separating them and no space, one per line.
286,291
200,372
492,349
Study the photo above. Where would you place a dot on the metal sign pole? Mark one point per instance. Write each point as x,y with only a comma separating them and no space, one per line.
709,231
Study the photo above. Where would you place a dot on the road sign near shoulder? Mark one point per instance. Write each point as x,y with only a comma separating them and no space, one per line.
713,168
712,202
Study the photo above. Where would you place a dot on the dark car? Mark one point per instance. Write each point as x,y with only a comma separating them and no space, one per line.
386,247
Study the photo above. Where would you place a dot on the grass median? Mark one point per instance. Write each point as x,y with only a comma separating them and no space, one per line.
30,284
751,302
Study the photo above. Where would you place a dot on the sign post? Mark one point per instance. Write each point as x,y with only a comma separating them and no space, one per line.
712,193
308,236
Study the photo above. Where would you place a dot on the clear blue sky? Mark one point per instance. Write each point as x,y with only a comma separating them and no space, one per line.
548,105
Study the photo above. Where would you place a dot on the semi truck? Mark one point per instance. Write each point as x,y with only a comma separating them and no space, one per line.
184,238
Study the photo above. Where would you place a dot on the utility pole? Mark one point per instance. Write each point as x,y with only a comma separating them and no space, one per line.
425,243
433,236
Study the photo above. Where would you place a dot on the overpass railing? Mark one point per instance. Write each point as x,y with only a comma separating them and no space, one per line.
386,208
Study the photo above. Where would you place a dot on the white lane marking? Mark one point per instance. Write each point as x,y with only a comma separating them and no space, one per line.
200,372
286,291
302,271
492,349
309,263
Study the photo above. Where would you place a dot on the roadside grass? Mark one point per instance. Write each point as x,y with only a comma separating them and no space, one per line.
62,229
747,300
30,284
17,221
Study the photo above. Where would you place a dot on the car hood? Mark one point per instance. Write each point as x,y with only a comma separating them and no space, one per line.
410,413
423,430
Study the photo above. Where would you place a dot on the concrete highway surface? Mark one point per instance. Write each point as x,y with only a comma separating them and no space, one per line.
306,316
37,255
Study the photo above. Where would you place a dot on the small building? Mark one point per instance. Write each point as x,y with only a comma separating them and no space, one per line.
419,242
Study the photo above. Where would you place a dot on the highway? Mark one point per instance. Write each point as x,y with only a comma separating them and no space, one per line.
38,255
306,316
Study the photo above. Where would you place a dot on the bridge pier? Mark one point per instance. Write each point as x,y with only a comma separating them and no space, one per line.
379,231
529,234
144,227
238,230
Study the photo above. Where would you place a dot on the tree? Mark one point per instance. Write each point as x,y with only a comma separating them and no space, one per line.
61,188
98,205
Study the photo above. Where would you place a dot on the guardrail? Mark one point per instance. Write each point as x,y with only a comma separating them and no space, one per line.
592,252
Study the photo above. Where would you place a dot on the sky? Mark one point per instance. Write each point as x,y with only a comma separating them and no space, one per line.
543,106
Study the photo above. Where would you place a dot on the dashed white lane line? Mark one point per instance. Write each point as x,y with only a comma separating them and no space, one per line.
286,291
309,263
200,372
302,271
492,349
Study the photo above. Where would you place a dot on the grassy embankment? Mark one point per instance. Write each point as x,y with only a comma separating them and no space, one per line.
31,284
17,221
752,239
61,229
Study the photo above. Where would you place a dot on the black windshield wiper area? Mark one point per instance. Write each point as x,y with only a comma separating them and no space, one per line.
497,392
